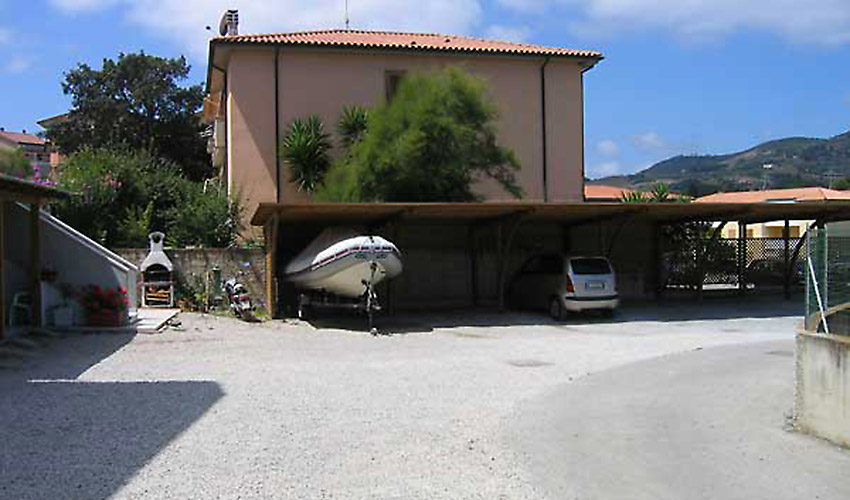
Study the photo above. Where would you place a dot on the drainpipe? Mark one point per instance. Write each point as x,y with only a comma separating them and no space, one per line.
543,121
277,123
226,170
584,70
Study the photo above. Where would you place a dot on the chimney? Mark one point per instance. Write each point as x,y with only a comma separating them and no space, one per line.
229,25
2,129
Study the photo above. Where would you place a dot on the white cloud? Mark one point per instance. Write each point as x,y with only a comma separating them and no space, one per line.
649,141
525,5
608,148
824,22
604,169
508,33
82,5
183,21
17,64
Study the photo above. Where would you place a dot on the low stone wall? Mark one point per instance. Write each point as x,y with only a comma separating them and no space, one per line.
191,265
822,400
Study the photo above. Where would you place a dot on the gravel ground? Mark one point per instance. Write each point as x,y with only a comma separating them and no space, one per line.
225,409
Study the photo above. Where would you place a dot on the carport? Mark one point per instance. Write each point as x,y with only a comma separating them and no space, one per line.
486,240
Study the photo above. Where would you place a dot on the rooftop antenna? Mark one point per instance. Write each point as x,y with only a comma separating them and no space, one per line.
347,20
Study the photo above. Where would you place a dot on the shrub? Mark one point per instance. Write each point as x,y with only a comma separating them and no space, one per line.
14,163
121,196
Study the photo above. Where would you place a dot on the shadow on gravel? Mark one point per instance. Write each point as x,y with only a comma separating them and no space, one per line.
69,439
669,310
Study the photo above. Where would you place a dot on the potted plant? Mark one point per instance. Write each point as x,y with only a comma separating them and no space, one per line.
104,307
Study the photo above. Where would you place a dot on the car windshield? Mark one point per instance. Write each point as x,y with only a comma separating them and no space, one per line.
590,266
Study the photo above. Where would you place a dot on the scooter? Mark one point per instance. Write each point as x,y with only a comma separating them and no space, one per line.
239,299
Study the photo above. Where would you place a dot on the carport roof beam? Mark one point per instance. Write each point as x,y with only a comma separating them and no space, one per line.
666,213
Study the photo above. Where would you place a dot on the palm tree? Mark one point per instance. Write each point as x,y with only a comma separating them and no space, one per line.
305,150
352,125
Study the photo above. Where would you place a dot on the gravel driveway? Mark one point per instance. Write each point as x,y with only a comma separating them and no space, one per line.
225,409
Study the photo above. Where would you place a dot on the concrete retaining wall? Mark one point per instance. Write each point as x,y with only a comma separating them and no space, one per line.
822,400
192,265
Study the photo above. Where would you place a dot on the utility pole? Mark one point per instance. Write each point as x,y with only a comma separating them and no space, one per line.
765,178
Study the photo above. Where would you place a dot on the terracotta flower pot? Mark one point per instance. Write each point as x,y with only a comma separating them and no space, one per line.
105,318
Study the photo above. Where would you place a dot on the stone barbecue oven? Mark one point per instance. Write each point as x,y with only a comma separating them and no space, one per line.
157,275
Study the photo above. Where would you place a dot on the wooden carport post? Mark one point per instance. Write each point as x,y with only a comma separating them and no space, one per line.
786,234
472,248
271,234
742,256
505,251
35,264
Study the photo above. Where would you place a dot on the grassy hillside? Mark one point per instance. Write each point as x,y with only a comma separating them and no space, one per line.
797,161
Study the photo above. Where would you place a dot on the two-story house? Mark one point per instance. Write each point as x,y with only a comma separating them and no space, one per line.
259,83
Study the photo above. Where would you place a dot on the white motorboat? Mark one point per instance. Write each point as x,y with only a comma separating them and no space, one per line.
343,262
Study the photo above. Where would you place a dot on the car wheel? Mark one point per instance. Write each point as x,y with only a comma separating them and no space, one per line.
556,310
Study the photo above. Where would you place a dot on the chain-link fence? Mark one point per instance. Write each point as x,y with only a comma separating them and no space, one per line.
828,282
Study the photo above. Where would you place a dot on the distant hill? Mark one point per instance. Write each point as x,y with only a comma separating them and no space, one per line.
797,162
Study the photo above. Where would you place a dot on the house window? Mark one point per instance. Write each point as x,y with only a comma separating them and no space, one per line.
392,82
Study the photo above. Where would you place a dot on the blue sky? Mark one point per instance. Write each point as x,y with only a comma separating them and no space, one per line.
680,76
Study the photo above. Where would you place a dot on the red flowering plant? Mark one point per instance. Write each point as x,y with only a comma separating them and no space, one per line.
97,300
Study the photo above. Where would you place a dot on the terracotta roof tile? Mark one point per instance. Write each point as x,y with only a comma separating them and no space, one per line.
21,138
406,41
777,196
599,192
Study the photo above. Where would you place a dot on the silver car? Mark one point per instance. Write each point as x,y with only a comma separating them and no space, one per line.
565,284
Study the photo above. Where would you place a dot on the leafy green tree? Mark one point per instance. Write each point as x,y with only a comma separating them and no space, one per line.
205,218
429,143
352,125
136,102
14,163
305,151
122,195
842,184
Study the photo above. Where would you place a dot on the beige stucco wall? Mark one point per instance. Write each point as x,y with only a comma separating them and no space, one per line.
822,399
322,81
251,128
768,229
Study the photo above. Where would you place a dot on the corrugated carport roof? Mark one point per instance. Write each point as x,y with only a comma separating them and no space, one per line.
561,212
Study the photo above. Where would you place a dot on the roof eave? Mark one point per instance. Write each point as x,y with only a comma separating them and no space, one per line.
592,56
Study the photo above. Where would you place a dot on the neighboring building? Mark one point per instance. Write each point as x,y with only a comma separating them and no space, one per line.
35,149
797,228
258,84
56,158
